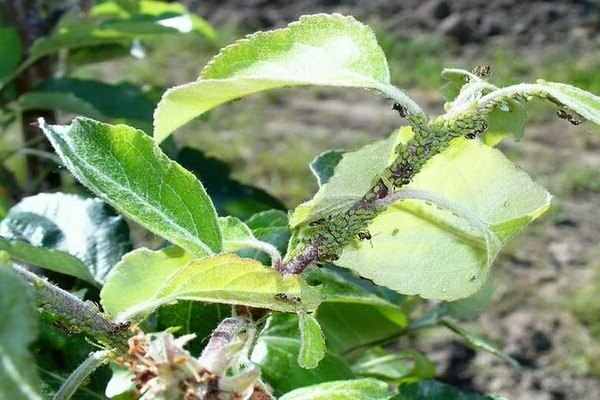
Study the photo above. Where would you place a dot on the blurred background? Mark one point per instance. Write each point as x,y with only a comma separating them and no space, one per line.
545,309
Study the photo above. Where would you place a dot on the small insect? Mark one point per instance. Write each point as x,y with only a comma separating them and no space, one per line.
482,71
288,298
473,135
562,114
364,235
402,111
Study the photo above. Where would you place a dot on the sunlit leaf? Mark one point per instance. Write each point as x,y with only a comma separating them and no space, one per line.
354,176
330,50
358,389
146,279
126,168
583,103
445,251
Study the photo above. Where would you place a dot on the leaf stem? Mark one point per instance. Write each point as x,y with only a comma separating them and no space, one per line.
306,257
397,95
75,313
262,246
85,369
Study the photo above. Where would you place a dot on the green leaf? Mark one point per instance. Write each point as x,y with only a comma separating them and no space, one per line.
508,120
434,390
324,164
99,238
66,102
270,227
583,103
146,279
122,101
229,196
270,219
10,43
354,176
394,366
446,253
350,316
358,389
503,122
51,259
276,352
108,24
234,230
173,15
312,342
479,342
471,306
238,236
330,50
126,168
18,329
192,317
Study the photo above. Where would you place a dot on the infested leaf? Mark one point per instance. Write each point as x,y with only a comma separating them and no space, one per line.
146,279
418,247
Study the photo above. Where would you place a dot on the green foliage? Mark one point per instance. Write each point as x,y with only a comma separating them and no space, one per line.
18,329
312,346
276,352
449,240
98,240
348,55
11,51
355,175
132,292
364,389
122,102
364,316
149,188
51,259
423,212
229,196
433,390
394,367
